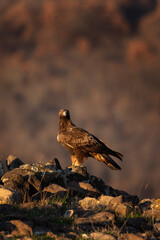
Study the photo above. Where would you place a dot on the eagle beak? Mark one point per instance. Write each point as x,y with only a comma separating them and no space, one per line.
65,113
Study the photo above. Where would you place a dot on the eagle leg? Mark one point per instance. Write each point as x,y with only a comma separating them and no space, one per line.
76,161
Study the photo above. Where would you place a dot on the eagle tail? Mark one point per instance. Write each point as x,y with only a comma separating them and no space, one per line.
106,159
114,153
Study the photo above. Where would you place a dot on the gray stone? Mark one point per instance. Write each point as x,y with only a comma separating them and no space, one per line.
53,164
130,236
145,204
139,223
75,174
21,228
48,177
152,214
13,162
52,190
101,235
102,218
105,200
35,182
56,190
8,195
12,174
89,203
121,209
82,189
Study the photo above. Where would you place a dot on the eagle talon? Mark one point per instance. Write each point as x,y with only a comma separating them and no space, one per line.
70,166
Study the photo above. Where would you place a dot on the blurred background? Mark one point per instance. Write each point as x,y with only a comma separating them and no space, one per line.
100,60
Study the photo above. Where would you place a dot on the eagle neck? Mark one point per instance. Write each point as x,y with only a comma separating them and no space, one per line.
63,124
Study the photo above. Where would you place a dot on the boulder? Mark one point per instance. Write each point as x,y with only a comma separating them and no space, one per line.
17,171
89,203
145,204
97,183
13,162
14,180
21,228
121,210
53,164
139,223
52,190
82,189
75,174
100,219
8,195
130,236
152,214
48,177
101,235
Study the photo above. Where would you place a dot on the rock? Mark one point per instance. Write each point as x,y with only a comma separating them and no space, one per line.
8,195
7,209
105,200
48,177
69,213
40,230
82,189
16,171
75,174
11,176
102,219
145,204
100,235
22,228
116,204
35,167
98,184
152,214
53,164
89,203
53,190
35,182
1,170
126,197
13,162
121,210
56,190
90,190
15,181
85,236
138,223
130,236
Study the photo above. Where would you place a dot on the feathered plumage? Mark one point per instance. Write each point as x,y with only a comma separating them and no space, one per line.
81,144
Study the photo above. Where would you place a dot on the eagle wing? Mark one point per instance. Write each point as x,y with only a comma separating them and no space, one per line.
79,138
76,137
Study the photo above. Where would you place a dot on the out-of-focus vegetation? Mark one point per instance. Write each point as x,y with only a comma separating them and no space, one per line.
99,59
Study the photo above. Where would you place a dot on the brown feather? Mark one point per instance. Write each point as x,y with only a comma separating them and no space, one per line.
81,144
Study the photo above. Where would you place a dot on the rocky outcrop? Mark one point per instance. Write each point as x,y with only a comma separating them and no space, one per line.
44,199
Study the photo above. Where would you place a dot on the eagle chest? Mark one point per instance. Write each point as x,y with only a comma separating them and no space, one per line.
65,143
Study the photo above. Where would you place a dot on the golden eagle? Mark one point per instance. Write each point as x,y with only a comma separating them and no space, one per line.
81,144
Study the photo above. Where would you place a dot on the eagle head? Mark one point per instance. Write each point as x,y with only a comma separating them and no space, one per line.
64,114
